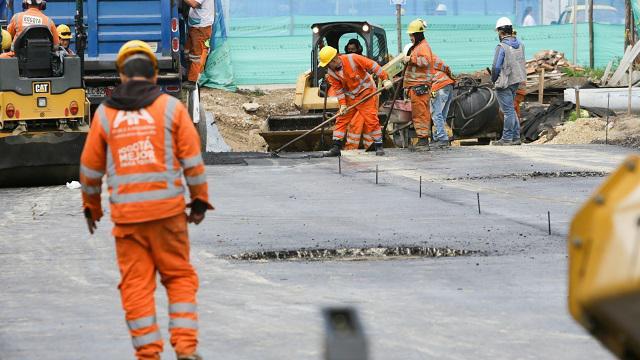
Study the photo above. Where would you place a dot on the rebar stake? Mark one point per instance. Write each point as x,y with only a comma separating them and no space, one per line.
376,174
606,129
421,187
479,212
339,164
549,221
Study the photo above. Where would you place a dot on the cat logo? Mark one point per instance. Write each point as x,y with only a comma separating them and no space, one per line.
41,87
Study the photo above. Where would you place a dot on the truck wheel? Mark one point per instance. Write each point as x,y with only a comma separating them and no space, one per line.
201,126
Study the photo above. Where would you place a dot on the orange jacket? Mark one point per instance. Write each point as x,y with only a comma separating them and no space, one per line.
355,80
143,152
8,54
31,16
426,68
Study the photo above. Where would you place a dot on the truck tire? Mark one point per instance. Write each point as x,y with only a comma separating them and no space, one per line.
201,126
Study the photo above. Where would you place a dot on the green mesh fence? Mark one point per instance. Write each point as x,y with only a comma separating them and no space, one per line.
276,50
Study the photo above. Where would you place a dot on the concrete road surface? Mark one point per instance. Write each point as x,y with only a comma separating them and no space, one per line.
59,295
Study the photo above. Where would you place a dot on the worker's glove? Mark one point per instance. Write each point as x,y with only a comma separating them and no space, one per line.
406,59
91,223
388,84
198,209
343,110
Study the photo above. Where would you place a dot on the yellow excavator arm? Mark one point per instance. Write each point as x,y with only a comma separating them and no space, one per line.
604,262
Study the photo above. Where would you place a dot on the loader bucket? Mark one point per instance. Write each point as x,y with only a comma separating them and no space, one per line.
42,158
283,128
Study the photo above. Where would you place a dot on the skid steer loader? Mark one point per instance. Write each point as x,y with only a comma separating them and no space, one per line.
44,113
310,88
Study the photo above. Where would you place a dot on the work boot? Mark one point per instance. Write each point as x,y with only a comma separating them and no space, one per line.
516,142
335,149
189,357
441,144
423,144
379,149
502,142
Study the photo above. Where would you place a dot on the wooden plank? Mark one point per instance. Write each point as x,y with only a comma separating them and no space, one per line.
617,72
624,65
605,77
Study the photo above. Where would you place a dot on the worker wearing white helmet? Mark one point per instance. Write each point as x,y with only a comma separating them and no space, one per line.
508,73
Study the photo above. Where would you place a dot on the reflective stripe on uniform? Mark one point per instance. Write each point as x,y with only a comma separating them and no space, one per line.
183,323
170,176
338,133
351,62
191,161
142,322
333,75
90,190
90,173
147,339
182,308
196,180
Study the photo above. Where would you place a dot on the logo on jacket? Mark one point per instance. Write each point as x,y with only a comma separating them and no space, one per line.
132,118
31,20
140,152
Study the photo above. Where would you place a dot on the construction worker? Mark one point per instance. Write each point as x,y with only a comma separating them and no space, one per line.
350,79
353,47
64,33
201,18
141,138
32,15
6,45
508,74
429,83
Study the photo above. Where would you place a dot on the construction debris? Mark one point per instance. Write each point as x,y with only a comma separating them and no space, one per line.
251,107
551,61
621,77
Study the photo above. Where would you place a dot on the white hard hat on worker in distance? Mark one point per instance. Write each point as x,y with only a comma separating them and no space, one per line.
503,21
441,7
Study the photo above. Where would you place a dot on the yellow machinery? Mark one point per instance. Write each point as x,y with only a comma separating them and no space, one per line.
310,95
604,262
44,113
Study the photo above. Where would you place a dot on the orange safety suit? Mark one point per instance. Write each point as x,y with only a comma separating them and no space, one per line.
424,68
197,50
520,95
7,55
143,153
32,16
350,85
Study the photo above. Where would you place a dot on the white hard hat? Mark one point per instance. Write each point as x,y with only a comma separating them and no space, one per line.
406,49
441,7
503,21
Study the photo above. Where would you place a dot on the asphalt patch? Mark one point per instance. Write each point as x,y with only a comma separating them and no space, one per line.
369,253
535,174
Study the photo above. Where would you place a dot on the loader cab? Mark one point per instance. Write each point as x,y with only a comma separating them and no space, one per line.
337,34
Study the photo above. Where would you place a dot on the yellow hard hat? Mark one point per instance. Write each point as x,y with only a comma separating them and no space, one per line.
64,32
6,40
135,47
326,54
416,26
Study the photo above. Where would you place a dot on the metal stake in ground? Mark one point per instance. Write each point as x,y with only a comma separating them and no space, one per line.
339,164
421,187
376,174
479,212
549,221
606,129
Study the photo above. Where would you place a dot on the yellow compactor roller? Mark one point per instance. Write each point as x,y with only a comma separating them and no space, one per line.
44,113
604,262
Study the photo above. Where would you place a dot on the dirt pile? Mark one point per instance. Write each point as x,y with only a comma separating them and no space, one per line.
239,128
623,131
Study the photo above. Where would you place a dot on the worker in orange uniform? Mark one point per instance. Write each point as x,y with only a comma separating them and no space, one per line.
201,17
350,78
429,83
142,138
32,15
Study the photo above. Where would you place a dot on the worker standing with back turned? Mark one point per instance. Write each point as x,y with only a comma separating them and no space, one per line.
508,73
143,139
201,17
350,78
32,15
430,85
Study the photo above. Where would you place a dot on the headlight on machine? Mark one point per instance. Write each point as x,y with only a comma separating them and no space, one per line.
42,102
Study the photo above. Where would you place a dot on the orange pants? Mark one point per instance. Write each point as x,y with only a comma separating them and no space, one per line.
196,50
144,249
520,94
362,121
421,113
